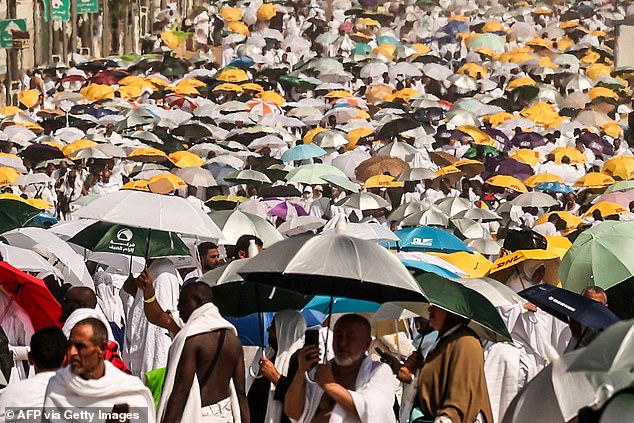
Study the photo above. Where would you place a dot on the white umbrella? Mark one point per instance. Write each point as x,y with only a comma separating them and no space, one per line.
301,224
31,178
12,162
399,149
235,223
430,259
368,231
27,261
270,141
417,174
407,209
373,70
451,206
405,69
60,254
470,229
436,71
486,246
432,217
534,199
196,176
350,160
496,292
167,213
363,201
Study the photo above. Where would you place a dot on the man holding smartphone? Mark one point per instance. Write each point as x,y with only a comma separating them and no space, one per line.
352,387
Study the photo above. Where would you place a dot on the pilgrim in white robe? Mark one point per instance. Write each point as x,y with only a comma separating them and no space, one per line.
27,393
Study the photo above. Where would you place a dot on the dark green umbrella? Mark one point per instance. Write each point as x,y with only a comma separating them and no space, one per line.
296,82
486,149
15,214
129,241
458,299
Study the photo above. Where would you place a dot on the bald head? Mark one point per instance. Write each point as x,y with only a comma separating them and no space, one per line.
193,295
75,298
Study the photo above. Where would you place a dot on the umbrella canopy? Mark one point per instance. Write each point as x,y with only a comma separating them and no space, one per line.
301,224
609,352
508,182
196,177
364,201
303,152
235,223
286,210
129,241
247,176
347,267
461,300
569,306
427,238
15,214
312,174
534,199
169,213
32,295
599,256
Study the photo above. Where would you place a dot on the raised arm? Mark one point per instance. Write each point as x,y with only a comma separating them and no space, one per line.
295,396
153,311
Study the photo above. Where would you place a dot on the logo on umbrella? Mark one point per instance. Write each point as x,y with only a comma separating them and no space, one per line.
125,235
424,242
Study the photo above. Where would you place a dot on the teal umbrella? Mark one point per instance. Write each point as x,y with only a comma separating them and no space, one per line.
108,238
361,48
463,301
490,41
321,303
15,214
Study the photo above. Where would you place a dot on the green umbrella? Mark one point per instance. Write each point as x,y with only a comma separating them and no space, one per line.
466,302
15,214
600,256
490,41
129,241
620,186
472,152
312,173
296,82
361,48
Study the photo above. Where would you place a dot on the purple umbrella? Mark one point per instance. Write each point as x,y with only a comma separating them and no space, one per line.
598,145
286,210
528,140
502,165
497,135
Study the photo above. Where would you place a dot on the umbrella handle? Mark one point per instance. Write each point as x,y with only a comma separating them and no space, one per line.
309,379
253,373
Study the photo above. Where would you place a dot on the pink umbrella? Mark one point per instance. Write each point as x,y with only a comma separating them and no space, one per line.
286,210
622,198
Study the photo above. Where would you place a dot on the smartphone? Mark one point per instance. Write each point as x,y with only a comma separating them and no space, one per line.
311,337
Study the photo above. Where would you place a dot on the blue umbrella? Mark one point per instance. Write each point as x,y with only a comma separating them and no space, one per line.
567,305
427,238
248,328
556,187
242,62
303,152
454,27
388,39
321,303
44,220
428,267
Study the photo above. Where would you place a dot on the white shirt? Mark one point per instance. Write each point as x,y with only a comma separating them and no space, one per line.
27,393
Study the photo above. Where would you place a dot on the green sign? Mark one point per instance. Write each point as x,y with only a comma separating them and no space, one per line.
60,10
88,6
8,25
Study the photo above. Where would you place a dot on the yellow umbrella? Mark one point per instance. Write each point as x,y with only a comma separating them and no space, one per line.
185,159
543,114
503,267
232,75
239,28
132,80
542,11
230,14
38,203
612,129
185,90
170,39
541,178
404,94
590,57
474,264
565,43
525,155
492,26
355,135
378,92
29,97
568,24
191,82
621,167
140,185
421,48
508,182
459,18
228,87
597,92
546,62
148,154
558,245
165,183
485,51
252,86
575,156
606,208
7,176
266,12
308,138
130,91
520,82
594,180
382,181
539,42
596,70
368,22
94,92
498,118
55,144
469,167
473,70
10,110
338,94
479,136
272,97
571,220
155,80
69,149
386,50
229,198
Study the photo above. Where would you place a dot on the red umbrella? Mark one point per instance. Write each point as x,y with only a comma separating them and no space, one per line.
31,294
108,77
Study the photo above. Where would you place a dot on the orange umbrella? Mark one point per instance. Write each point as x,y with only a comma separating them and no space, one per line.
525,155
232,75
140,185
8,175
594,180
541,178
508,182
606,208
575,156
266,12
74,146
184,159
382,181
165,183
147,154
571,220
621,167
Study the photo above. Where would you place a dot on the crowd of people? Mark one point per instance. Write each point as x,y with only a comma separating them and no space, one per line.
491,121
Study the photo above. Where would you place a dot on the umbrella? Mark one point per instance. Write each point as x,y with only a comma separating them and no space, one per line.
118,239
470,229
287,210
474,213
426,238
504,266
620,167
342,182
347,267
416,174
330,138
15,214
397,126
169,213
484,245
32,295
247,176
380,165
364,201
312,174
321,303
534,199
235,223
461,300
610,352
301,224
473,264
27,261
599,256
620,186
508,182
196,177
303,152
569,306
555,187
228,286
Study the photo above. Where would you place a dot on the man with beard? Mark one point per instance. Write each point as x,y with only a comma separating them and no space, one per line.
351,388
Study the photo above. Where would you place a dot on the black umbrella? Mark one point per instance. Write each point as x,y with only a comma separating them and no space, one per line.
397,126
41,152
569,306
280,191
